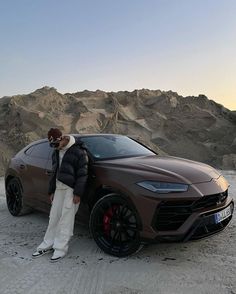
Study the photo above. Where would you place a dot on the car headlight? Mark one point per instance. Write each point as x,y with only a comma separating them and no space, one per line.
163,187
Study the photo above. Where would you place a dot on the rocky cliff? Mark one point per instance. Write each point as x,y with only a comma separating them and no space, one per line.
190,127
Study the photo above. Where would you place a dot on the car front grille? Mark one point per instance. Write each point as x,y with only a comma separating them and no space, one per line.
170,215
210,201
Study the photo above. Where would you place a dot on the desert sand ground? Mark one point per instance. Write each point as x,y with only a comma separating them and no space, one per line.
206,266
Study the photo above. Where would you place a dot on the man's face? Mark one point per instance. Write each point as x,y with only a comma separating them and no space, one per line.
58,143
62,143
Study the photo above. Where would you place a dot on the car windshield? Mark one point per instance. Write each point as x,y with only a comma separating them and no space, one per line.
104,147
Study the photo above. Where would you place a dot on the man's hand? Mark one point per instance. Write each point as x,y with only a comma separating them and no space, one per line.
76,199
51,196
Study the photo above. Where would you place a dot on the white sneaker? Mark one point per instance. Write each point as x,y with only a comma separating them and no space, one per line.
57,255
41,252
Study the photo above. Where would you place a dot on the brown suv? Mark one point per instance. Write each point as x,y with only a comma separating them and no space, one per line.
133,194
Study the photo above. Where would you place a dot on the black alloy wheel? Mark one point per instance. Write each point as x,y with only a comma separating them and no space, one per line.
14,197
115,226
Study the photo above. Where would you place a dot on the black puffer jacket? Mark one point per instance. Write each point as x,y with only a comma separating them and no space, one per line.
73,171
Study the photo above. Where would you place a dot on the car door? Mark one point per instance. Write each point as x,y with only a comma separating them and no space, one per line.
34,175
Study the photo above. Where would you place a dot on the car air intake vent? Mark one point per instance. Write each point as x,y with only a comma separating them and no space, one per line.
206,230
170,215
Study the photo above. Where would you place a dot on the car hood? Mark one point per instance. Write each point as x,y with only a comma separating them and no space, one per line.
184,170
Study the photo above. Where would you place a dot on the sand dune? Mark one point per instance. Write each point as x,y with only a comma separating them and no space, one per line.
190,127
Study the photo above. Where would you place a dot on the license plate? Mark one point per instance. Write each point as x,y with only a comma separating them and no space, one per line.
223,214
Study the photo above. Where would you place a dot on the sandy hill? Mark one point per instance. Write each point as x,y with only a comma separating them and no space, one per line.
190,127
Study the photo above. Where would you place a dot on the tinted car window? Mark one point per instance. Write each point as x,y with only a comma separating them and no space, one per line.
41,150
103,147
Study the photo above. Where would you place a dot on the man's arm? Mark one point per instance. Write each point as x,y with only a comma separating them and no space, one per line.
81,175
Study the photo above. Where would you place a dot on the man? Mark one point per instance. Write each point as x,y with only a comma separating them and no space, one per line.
66,188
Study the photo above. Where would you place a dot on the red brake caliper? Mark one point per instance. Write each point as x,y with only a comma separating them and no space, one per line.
107,219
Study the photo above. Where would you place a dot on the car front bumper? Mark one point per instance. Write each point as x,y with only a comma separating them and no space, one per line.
206,225
198,225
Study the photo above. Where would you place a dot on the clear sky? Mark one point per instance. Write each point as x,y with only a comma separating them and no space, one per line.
187,46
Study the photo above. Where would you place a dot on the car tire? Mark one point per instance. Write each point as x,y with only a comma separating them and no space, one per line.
14,197
115,226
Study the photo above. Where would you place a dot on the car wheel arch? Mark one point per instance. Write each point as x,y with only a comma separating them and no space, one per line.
102,191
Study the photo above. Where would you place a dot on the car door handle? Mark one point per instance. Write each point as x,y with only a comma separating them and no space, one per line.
22,166
49,172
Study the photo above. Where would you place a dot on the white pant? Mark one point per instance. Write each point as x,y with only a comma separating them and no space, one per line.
61,221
